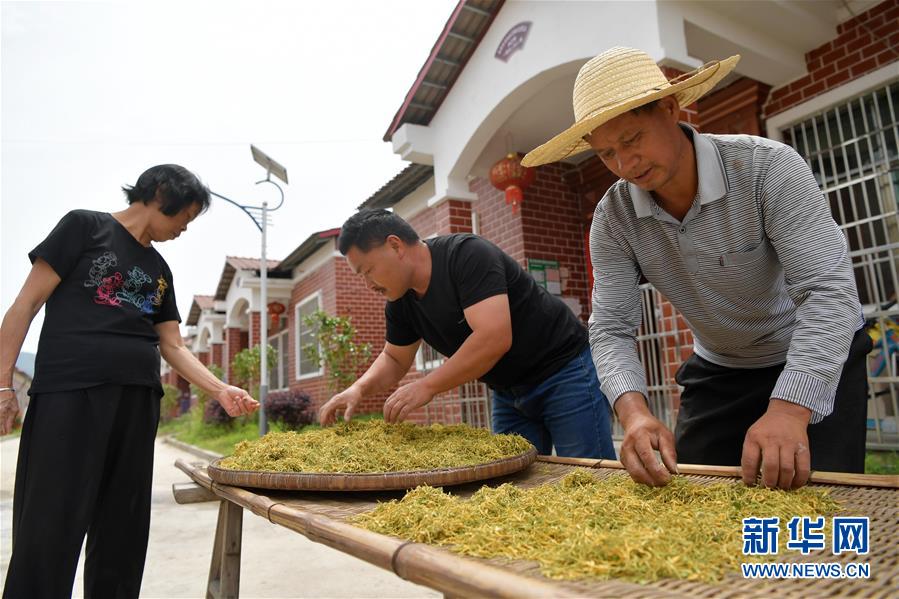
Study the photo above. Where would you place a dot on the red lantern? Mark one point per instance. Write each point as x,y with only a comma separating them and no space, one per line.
275,309
509,176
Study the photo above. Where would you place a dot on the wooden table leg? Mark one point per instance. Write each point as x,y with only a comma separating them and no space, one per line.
224,568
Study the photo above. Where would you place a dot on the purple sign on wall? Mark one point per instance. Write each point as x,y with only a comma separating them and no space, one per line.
512,41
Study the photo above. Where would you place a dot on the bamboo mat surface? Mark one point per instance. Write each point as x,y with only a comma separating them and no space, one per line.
322,517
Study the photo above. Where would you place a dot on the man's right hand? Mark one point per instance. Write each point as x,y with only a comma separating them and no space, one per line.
643,433
347,399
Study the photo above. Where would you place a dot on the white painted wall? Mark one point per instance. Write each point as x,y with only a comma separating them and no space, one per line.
527,98
209,329
416,201
563,36
237,293
237,315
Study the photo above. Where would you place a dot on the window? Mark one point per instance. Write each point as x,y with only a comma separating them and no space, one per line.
306,367
853,151
277,378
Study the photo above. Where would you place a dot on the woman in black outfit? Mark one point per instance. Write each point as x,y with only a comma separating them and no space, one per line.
85,461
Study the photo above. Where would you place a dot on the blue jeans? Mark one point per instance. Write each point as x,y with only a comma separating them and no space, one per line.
567,410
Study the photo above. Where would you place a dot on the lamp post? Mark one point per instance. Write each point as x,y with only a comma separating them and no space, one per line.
259,216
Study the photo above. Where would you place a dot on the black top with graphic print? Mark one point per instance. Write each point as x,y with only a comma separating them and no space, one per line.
98,323
466,269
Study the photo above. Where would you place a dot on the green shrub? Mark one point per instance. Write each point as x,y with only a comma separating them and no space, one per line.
337,348
245,370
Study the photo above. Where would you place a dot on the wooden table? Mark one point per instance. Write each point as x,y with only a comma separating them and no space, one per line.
322,517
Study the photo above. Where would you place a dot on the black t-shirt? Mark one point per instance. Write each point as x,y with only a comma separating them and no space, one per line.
466,269
98,322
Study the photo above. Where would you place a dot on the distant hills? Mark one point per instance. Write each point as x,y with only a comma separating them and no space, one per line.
25,363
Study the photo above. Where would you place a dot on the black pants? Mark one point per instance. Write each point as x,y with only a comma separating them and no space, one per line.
719,404
85,466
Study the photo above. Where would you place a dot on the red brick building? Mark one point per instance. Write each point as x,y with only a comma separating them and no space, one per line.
499,80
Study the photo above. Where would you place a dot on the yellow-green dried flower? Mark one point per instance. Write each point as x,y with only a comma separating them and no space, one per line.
374,446
585,527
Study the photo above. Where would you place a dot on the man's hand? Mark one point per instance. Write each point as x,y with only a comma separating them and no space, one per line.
778,444
643,433
236,401
347,399
9,409
405,399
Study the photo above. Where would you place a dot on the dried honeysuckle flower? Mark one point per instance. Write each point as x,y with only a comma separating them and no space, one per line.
585,526
374,446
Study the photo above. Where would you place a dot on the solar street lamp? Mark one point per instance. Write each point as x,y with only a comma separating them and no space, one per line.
259,216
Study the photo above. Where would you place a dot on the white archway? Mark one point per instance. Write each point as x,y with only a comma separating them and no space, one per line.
526,117
239,315
203,336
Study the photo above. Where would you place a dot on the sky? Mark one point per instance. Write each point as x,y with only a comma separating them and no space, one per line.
93,93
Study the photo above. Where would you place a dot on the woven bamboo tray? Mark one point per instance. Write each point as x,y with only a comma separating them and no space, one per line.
308,481
322,517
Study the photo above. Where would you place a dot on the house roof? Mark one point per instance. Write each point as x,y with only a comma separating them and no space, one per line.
460,37
307,248
405,182
199,303
232,265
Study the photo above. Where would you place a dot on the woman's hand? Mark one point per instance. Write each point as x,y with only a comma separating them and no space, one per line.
9,409
236,401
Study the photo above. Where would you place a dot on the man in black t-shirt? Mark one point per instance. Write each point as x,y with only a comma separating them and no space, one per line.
474,304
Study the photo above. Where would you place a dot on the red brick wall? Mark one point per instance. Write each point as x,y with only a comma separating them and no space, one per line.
425,223
453,216
235,340
255,329
553,228
861,46
203,357
217,354
496,221
736,108
365,309
449,216
321,281
176,380
550,225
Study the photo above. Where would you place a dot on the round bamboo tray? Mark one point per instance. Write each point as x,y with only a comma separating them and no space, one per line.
385,481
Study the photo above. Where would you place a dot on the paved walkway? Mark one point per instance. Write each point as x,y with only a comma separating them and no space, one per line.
276,562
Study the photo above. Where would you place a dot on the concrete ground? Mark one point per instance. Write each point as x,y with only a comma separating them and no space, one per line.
276,562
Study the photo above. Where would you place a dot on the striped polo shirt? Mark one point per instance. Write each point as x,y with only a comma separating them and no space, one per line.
758,268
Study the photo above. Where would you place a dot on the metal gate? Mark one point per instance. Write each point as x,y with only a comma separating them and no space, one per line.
663,342
852,150
471,403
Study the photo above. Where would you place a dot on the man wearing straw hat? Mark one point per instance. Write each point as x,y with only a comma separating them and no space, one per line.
736,233
474,304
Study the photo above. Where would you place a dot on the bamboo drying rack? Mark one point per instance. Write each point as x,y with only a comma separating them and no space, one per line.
322,517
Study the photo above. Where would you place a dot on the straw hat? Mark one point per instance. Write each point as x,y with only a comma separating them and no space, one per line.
618,80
